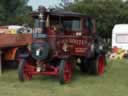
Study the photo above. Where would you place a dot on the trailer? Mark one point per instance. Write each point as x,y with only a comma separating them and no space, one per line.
12,43
120,36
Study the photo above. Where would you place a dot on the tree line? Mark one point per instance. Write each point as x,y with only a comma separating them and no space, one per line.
15,12
107,13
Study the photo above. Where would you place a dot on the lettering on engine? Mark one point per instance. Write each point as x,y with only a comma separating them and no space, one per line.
78,42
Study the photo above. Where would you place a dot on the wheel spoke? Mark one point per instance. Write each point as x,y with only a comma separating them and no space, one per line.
67,72
101,65
26,70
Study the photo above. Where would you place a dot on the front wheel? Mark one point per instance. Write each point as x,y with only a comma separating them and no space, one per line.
23,72
65,72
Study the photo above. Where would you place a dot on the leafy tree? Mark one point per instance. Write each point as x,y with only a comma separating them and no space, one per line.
106,12
12,12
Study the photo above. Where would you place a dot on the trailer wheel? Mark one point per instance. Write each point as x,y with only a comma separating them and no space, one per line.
12,64
65,72
22,70
97,66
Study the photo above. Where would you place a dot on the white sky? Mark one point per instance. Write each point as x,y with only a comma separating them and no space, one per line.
46,3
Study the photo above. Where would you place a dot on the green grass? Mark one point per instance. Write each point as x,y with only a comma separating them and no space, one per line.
113,83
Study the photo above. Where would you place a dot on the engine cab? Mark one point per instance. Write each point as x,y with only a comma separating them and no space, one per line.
67,33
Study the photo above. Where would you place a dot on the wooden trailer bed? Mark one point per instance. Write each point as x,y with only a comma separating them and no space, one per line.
13,40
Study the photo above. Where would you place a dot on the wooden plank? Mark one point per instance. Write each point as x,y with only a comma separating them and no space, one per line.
14,40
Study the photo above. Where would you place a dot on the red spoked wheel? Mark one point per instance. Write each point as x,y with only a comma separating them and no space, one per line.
97,65
65,71
101,65
24,70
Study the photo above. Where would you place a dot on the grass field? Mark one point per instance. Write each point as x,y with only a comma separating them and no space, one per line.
113,83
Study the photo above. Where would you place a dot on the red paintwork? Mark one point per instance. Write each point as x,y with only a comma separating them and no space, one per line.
31,70
76,45
27,68
68,69
101,65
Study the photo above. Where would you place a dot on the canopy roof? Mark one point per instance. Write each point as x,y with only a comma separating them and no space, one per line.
61,13
120,28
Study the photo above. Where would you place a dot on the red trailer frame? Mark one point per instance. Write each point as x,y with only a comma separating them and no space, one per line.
11,44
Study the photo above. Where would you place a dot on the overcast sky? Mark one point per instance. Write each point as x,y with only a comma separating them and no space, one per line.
46,3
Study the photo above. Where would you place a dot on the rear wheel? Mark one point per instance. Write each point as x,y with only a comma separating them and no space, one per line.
65,72
97,66
22,70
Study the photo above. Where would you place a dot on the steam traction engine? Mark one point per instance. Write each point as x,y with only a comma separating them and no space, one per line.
62,40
